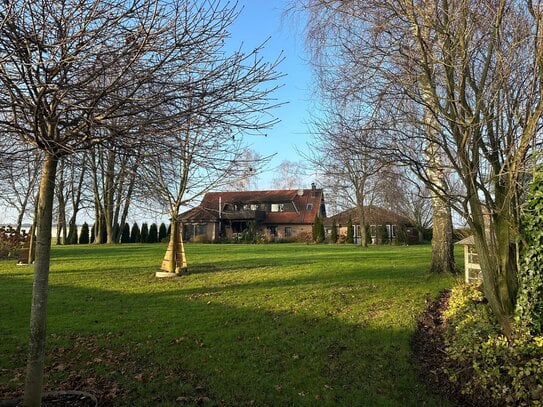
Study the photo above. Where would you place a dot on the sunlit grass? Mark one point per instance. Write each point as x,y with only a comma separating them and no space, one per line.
252,324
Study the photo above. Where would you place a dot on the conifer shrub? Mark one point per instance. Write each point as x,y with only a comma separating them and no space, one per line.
144,233
162,232
369,239
350,232
318,230
135,234
125,236
382,234
401,235
103,233
153,234
333,233
84,237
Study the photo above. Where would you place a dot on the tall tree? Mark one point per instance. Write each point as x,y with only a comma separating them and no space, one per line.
70,72
202,144
344,151
114,174
461,82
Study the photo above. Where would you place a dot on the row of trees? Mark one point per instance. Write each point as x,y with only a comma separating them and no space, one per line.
117,92
134,234
451,90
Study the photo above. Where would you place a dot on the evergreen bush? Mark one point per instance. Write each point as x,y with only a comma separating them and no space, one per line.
333,233
144,233
318,230
103,233
382,234
350,232
529,306
401,235
92,234
84,237
369,239
153,234
125,236
483,363
135,235
162,232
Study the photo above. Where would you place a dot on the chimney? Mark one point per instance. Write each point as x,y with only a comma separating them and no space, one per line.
313,189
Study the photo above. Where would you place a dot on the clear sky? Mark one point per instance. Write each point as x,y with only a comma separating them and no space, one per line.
258,21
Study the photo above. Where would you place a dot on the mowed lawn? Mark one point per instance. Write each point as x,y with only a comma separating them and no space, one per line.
262,325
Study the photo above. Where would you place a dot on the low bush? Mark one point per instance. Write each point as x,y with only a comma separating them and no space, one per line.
11,242
482,361
304,237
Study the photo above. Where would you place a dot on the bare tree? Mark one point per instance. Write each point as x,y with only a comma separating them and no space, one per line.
249,165
202,147
113,175
289,175
341,151
340,40
461,82
19,180
70,69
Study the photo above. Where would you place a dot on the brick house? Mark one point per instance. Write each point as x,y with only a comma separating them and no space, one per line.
276,214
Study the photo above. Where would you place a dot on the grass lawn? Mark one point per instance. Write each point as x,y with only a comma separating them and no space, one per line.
263,325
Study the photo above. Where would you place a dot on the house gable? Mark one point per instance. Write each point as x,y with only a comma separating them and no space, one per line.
278,213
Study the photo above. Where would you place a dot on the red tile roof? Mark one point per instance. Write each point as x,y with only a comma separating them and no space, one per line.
208,210
374,216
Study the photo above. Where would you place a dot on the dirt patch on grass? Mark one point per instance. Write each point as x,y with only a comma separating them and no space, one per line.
428,352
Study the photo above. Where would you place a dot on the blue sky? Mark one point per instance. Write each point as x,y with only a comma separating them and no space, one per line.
258,21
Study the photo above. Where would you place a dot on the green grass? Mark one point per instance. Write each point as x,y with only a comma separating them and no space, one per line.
264,325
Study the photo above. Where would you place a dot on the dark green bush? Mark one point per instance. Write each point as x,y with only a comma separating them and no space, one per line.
162,232
333,233
84,237
482,361
144,233
125,236
153,234
135,235
350,232
529,306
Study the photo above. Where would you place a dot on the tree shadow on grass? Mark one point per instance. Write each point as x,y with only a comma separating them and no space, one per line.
234,353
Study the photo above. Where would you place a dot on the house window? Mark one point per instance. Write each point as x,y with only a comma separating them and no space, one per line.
309,206
277,207
288,231
200,229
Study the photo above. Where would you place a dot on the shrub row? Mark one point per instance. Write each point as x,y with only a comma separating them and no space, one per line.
134,234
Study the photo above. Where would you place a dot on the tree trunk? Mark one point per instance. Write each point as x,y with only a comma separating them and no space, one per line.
175,260
442,238
498,264
38,314
32,248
